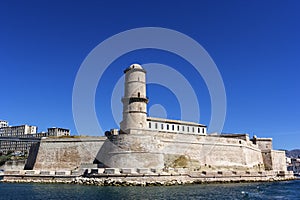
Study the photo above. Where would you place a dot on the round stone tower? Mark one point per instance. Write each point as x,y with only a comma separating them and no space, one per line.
134,100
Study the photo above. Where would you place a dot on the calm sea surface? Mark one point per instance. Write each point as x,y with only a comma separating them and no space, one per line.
277,190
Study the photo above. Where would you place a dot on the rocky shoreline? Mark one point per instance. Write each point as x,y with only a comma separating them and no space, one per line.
139,181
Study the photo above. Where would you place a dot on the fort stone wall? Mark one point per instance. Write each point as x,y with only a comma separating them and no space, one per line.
66,153
151,149
278,160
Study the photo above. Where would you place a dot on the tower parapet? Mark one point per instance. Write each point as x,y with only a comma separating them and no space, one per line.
134,100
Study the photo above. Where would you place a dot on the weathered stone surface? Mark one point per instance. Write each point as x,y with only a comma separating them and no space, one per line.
111,171
150,149
127,170
67,153
143,170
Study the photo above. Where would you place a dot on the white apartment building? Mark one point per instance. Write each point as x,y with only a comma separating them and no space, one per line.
18,131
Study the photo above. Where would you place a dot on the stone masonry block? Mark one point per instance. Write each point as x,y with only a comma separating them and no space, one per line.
60,173
45,173
143,170
30,172
111,171
126,170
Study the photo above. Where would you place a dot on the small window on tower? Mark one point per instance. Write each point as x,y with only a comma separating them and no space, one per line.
149,124
139,94
162,126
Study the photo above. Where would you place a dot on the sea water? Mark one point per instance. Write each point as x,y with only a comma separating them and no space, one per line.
271,190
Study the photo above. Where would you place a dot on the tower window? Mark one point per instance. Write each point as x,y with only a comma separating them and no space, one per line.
149,124
162,127
203,130
188,129
155,125
173,127
198,130
167,126
182,128
139,95
178,128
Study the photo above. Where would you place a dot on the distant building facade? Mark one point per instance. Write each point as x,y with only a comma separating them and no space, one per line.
3,123
293,164
18,131
19,139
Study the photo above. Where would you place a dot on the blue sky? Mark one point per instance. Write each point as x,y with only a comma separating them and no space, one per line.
255,45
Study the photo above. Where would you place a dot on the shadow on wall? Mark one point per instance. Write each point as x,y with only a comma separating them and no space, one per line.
34,149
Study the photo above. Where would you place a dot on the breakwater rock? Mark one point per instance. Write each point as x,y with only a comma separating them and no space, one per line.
132,182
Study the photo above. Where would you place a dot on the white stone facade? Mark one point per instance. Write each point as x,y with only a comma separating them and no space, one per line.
3,123
18,131
175,126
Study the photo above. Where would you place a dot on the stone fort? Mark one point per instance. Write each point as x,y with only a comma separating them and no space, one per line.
155,143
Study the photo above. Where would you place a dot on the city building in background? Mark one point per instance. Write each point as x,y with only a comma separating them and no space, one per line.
18,139
3,123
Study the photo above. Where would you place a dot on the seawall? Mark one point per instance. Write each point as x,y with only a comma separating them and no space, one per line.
140,177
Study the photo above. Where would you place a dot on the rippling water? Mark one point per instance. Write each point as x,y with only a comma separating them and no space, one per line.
276,190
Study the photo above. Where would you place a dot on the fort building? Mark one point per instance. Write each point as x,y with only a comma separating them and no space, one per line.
146,144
